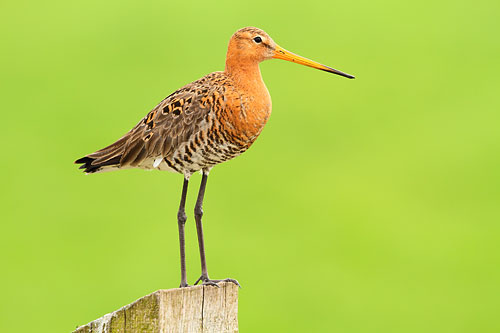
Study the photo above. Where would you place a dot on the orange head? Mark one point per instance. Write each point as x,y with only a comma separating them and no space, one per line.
249,46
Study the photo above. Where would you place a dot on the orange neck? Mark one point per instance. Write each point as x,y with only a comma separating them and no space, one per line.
243,69
245,76
251,107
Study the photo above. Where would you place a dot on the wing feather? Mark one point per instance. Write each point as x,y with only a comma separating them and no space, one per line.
163,130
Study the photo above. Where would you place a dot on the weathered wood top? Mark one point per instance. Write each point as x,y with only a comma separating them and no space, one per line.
193,309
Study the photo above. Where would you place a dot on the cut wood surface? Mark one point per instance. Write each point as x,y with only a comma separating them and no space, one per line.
193,309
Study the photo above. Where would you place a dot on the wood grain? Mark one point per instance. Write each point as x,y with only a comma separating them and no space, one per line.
193,309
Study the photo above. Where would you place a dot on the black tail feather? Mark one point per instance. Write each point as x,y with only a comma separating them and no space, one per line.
88,167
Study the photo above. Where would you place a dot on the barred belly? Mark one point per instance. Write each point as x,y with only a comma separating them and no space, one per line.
204,150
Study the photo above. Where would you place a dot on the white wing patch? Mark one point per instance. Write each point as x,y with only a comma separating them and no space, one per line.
157,162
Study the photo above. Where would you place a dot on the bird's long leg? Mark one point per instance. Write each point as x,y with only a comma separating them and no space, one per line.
181,221
198,213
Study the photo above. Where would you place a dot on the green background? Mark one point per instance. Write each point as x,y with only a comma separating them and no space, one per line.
367,205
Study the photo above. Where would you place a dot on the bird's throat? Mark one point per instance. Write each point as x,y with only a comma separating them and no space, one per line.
245,75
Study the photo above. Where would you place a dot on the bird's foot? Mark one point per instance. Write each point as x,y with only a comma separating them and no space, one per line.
208,282
183,285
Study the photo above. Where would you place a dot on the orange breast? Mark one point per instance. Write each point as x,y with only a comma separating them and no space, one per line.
247,113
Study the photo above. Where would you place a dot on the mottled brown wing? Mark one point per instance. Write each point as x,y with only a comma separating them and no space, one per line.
165,128
160,133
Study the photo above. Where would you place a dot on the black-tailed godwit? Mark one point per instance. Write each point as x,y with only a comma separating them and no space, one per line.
204,123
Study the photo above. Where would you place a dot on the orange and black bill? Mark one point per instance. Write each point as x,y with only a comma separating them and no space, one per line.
281,53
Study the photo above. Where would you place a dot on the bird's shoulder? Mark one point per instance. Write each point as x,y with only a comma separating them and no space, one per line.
180,115
190,102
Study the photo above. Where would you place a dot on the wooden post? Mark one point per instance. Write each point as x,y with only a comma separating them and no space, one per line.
193,309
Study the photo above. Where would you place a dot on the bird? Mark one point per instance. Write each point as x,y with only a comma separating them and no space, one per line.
206,122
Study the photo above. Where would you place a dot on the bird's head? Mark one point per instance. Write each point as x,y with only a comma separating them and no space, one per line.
252,45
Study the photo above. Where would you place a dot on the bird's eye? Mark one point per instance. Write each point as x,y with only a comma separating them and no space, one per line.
257,39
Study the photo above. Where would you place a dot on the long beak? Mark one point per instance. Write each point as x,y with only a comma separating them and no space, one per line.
281,53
